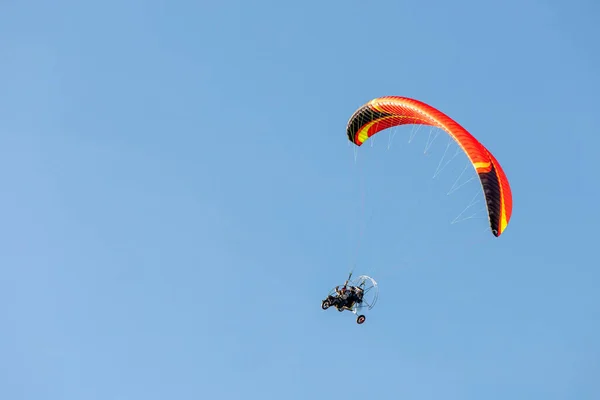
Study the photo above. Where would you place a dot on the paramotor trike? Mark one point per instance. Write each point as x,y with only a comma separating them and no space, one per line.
354,296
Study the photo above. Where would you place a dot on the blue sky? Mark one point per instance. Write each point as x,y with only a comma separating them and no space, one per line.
179,195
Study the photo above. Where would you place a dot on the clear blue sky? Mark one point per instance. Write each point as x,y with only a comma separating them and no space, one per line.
178,195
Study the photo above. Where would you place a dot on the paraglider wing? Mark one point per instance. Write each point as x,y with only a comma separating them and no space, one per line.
386,112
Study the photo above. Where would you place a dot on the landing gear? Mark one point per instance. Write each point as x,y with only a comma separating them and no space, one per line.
360,319
325,304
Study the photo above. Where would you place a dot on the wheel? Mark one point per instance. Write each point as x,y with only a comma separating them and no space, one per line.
360,319
325,304
340,309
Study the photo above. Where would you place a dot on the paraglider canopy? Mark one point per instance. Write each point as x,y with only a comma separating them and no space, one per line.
386,112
